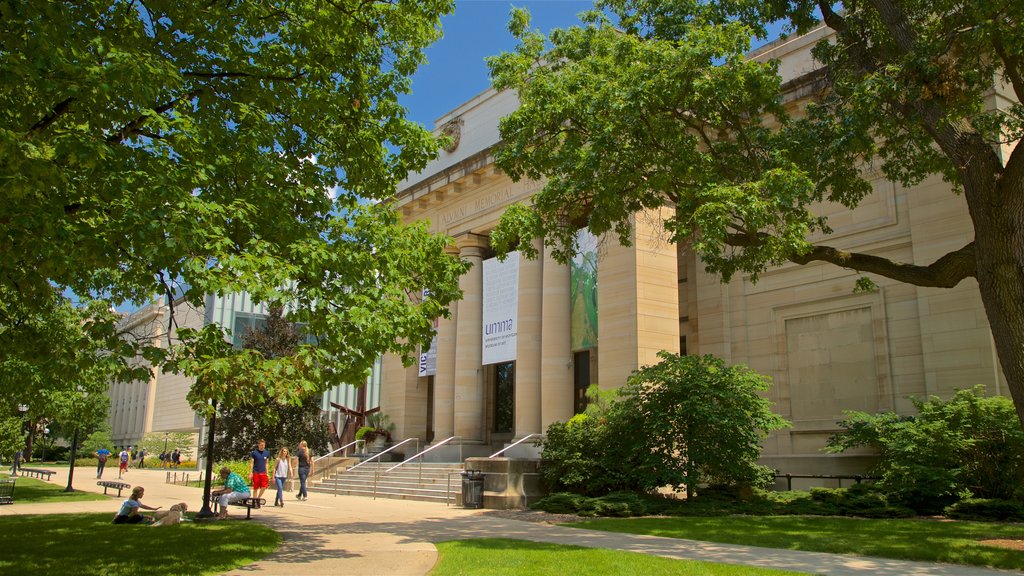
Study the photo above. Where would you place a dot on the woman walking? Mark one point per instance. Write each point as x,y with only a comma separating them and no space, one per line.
305,468
282,468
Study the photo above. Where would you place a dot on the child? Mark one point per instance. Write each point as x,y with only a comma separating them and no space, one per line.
129,512
281,470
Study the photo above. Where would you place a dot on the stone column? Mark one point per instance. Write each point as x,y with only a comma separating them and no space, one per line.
528,348
444,379
469,377
556,343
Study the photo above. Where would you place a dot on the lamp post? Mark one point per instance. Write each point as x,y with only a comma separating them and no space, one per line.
46,435
163,460
22,410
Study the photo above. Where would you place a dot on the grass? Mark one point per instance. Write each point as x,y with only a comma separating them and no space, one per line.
32,491
505,557
905,539
88,544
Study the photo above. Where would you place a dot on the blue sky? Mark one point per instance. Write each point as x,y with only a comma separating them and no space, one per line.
456,71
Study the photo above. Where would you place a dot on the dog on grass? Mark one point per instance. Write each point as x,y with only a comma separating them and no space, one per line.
171,516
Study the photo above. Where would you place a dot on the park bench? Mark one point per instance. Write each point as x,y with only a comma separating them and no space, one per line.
7,490
247,503
37,472
113,484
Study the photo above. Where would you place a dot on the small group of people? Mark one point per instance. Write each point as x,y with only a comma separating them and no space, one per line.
235,487
168,459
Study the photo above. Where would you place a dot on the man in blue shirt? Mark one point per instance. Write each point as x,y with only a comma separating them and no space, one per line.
258,468
101,456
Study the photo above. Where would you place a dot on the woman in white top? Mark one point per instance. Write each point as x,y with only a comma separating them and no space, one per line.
282,468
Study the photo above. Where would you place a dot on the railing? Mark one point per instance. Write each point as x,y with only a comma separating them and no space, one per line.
345,447
789,478
420,456
379,454
514,444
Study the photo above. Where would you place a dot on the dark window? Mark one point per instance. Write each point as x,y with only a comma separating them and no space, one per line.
504,397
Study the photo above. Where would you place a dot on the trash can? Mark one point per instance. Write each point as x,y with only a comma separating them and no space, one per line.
472,489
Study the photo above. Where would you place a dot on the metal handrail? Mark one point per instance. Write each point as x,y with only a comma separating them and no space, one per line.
332,452
379,454
514,444
420,454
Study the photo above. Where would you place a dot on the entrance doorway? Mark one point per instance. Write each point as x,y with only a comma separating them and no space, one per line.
504,391
581,380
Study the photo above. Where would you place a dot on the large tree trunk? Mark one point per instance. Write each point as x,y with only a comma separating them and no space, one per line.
998,215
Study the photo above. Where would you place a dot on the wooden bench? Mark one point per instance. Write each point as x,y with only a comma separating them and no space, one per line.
247,503
7,490
113,484
37,472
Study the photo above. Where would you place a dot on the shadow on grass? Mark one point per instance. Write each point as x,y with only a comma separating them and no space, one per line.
32,491
89,544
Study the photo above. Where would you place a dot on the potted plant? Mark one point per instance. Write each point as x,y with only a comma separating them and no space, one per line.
377,431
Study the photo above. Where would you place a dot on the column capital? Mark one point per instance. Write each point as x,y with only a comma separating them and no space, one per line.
470,244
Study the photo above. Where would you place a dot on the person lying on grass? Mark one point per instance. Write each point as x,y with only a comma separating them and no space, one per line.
129,512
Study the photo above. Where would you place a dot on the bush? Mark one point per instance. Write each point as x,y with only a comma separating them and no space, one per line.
698,421
970,445
616,504
986,510
560,503
683,422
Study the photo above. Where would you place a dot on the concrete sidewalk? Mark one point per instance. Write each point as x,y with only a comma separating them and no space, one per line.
359,536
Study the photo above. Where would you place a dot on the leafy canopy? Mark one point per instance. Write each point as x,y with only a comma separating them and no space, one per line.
664,109
192,148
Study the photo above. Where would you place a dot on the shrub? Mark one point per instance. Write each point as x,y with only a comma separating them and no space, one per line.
969,445
986,510
560,503
698,421
616,504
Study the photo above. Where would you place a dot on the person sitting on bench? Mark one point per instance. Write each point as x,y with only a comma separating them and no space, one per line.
129,512
234,489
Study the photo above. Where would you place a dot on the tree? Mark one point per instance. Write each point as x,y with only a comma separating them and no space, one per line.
664,110
58,363
193,148
281,425
699,421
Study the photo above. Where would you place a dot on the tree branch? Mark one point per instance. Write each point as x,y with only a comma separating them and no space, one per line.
51,117
228,74
946,272
133,127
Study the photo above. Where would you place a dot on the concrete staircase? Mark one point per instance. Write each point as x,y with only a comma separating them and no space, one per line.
406,483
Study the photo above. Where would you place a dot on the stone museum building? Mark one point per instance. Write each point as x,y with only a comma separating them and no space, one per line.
530,336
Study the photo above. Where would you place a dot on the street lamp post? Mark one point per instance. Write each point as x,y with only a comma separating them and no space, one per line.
46,436
22,410
206,512
163,459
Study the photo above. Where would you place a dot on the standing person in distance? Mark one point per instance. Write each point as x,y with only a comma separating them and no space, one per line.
176,457
258,468
282,469
305,468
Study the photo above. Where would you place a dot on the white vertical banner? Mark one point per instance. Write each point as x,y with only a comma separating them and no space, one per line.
501,309
428,358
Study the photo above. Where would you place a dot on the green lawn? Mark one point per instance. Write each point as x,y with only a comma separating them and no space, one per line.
907,539
32,491
88,544
504,557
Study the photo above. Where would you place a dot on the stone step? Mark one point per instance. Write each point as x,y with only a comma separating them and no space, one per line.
418,496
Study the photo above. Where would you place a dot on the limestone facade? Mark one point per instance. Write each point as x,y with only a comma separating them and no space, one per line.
826,348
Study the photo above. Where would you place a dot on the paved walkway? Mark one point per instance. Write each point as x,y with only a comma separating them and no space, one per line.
359,536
